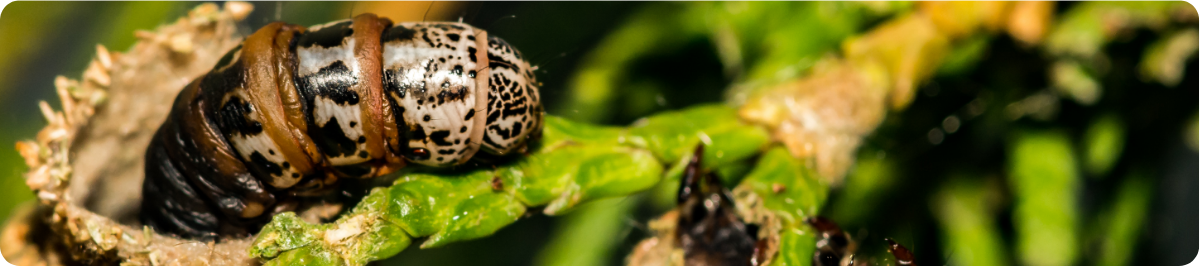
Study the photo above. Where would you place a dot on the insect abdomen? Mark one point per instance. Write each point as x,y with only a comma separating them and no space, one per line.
291,110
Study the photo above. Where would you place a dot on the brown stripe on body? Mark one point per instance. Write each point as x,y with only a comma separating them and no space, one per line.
221,162
378,120
264,69
290,100
482,89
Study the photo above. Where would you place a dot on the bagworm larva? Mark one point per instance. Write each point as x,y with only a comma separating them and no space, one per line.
293,109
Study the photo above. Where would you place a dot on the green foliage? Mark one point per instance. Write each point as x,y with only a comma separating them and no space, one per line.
757,44
573,174
870,177
726,139
12,180
447,208
588,235
965,55
598,81
783,39
1118,226
1044,181
796,247
1072,79
966,214
1102,144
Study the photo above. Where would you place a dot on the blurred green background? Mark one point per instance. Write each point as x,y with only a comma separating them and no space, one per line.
999,160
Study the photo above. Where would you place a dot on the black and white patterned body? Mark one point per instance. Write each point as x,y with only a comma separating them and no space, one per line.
292,110
430,71
513,104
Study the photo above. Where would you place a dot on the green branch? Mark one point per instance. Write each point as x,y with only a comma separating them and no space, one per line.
575,163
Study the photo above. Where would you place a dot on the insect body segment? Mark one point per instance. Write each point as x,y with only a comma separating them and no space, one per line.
514,109
430,71
292,110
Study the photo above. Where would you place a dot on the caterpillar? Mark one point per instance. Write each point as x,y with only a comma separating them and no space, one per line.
291,110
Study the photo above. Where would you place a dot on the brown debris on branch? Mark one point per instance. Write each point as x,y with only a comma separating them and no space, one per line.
86,164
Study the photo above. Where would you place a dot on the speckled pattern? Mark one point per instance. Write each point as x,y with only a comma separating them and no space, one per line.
430,71
514,109
294,109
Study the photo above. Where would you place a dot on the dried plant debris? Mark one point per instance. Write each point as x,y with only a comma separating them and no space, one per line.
83,203
23,229
776,197
825,115
787,230
705,228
